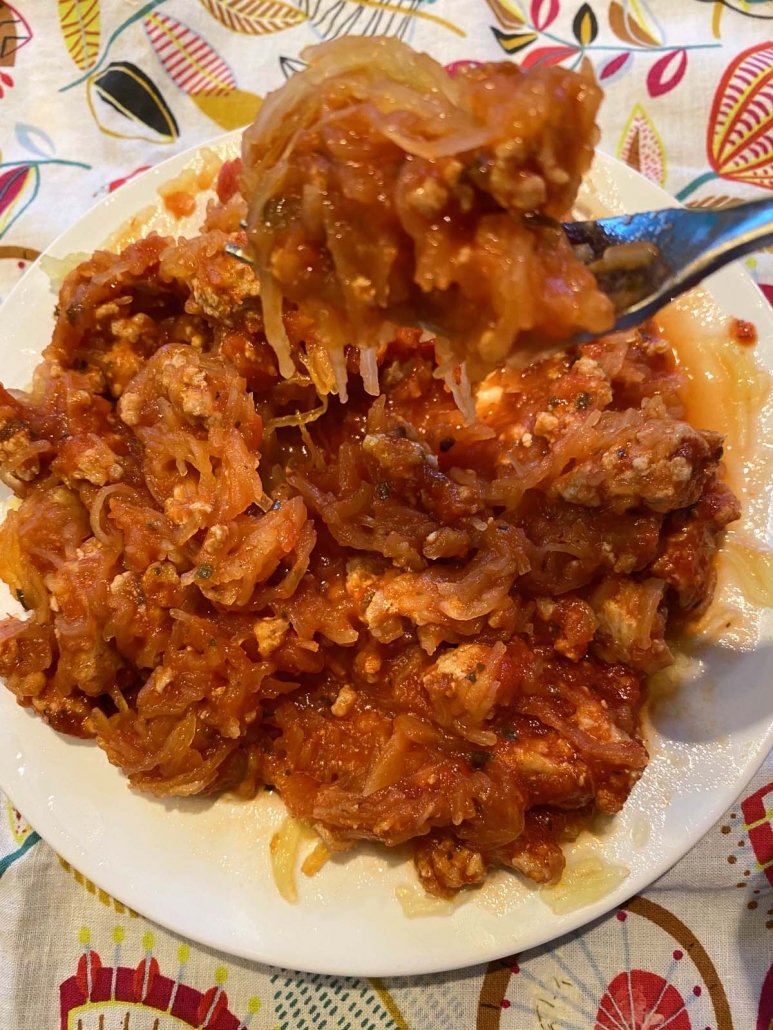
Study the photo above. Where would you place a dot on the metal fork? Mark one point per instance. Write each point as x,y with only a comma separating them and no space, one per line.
682,246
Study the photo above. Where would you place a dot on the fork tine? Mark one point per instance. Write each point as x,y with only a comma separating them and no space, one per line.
235,251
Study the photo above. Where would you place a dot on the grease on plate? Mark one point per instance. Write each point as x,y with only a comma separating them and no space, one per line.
417,904
731,392
583,883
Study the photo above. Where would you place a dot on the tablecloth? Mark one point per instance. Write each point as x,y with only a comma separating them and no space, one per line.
92,92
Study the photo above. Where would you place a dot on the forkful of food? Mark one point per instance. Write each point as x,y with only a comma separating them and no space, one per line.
386,193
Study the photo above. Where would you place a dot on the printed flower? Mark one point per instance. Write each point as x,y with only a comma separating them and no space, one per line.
101,995
641,146
740,132
759,828
667,979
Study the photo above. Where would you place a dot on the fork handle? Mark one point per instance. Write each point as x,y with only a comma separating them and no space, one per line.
732,232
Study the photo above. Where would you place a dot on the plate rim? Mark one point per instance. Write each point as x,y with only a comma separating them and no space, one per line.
66,844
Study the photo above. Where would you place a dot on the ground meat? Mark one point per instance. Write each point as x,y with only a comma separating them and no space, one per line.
444,865
572,621
536,853
657,463
688,543
631,622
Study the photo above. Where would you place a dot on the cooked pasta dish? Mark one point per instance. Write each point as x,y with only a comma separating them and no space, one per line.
318,524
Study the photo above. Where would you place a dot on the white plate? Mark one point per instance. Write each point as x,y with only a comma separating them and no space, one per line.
201,868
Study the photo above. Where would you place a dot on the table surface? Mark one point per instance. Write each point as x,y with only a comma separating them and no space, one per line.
695,952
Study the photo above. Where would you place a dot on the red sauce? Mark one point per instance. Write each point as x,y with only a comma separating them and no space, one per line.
743,332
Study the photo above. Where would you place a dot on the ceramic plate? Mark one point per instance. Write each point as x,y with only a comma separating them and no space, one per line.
201,867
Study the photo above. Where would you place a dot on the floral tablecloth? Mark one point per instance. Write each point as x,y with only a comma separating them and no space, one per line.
94,91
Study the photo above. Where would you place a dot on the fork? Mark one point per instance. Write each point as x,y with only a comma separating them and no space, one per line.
643,261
